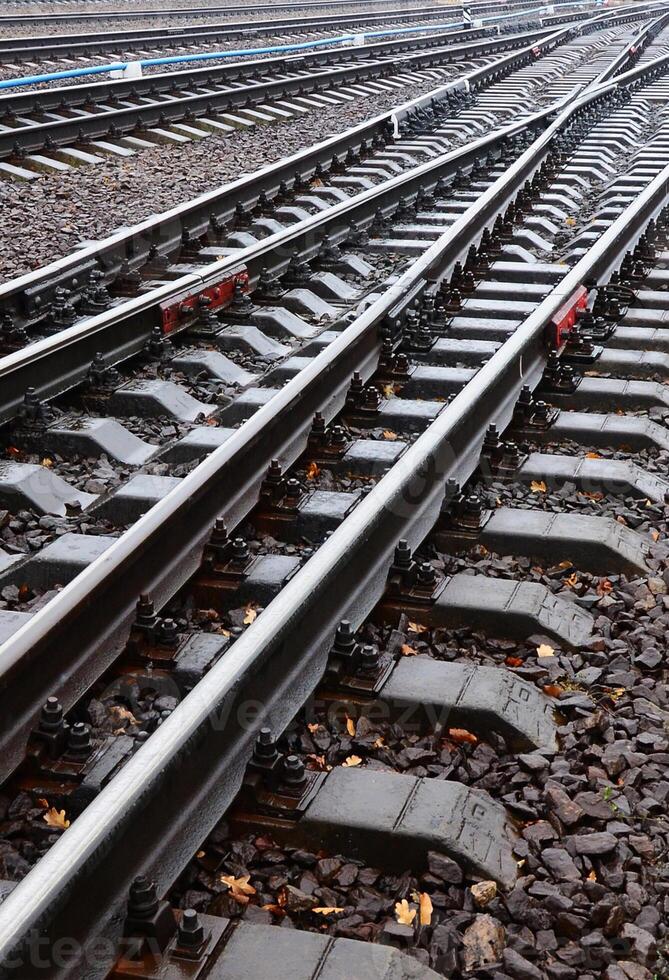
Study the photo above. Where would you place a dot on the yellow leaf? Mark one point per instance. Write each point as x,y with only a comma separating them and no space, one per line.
251,613
313,728
417,628
572,580
616,694
313,470
327,910
462,735
47,462
239,888
425,909
391,436
655,535
408,650
378,743
404,913
570,222
543,650
538,486
388,390
351,761
592,456
350,726
56,818
592,876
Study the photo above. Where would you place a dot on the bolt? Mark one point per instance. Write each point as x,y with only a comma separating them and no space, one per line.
167,633
264,749
369,657
344,639
402,558
51,718
426,574
240,550
293,772
143,898
79,740
144,611
191,931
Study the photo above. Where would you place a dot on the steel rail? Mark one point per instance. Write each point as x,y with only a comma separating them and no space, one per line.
224,10
20,102
15,49
128,39
33,137
25,297
176,787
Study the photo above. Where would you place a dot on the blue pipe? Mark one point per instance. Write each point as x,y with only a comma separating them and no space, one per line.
247,52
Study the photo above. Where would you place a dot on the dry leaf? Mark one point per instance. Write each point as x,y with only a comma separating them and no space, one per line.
538,486
553,690
417,628
313,727
351,761
543,650
391,436
378,743
592,876
350,726
319,763
200,854
312,471
483,892
13,451
570,222
122,714
56,818
604,586
239,888
408,651
655,535
592,456
617,693
572,580
514,661
461,735
388,390
404,913
425,909
47,462
211,421
251,614
327,910
44,803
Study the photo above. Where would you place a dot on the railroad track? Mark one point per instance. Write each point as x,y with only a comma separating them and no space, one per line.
47,130
402,517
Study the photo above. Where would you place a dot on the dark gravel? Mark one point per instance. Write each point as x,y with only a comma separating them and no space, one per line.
47,219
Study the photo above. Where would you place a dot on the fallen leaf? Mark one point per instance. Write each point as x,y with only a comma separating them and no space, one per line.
408,651
47,462
251,614
313,727
553,690
483,892
543,650
200,854
538,486
570,222
592,456
211,421
655,535
122,714
425,909
388,390
313,470
616,694
13,451
572,580
417,628
461,735
391,436
350,726
592,876
378,743
319,763
596,495
404,913
351,761
604,586
514,662
44,803
56,818
239,888
327,910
